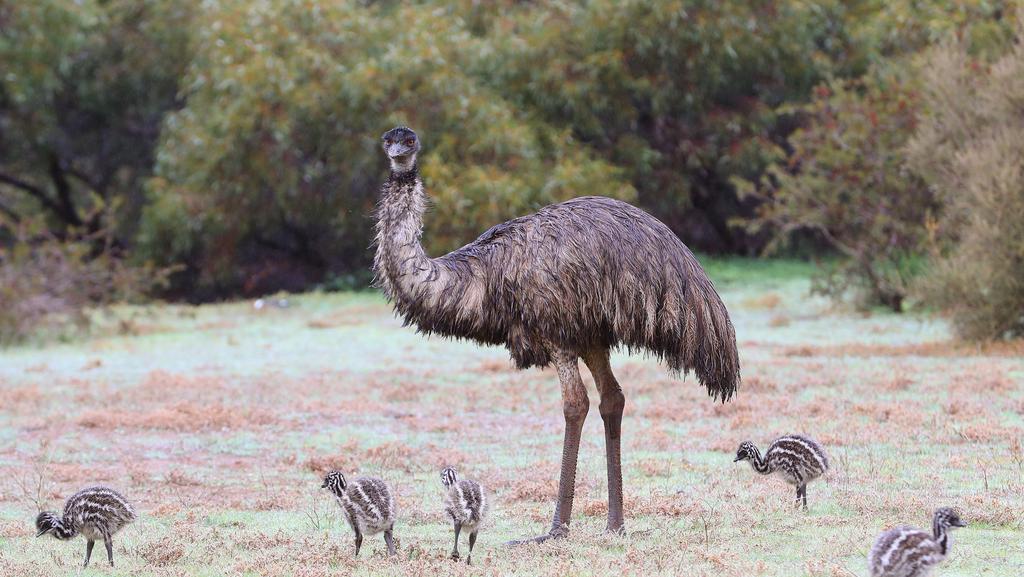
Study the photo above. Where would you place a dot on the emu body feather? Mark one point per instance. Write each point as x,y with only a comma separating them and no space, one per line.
586,274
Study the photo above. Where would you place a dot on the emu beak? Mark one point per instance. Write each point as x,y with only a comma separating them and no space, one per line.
41,533
396,150
323,485
959,524
737,459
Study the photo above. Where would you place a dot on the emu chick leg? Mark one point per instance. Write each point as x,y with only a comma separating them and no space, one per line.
472,541
88,552
455,550
390,540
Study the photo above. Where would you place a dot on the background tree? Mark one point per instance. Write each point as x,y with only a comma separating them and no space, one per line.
268,175
82,98
846,182
969,148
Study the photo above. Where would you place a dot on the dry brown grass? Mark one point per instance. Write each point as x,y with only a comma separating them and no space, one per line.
224,459
184,417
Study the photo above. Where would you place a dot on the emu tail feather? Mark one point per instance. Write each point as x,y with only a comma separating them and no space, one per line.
707,345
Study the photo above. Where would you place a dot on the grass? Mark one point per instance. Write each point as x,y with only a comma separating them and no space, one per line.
219,421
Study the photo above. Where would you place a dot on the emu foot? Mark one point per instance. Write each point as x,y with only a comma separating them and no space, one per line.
559,532
619,531
455,556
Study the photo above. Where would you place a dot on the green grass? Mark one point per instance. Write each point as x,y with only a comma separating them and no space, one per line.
218,421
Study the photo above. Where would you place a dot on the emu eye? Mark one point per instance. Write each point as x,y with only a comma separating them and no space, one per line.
409,142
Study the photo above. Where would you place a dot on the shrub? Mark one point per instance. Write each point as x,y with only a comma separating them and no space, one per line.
845,181
47,284
969,148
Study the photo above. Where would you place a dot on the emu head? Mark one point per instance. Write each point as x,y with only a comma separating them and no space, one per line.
946,518
448,477
401,145
334,481
747,451
49,522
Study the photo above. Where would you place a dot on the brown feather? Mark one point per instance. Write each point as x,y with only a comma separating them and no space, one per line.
584,274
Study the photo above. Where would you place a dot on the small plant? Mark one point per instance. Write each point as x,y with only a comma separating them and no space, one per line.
48,283
845,183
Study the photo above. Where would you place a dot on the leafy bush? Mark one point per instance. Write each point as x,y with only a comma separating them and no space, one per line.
269,174
969,148
240,138
48,284
681,94
845,181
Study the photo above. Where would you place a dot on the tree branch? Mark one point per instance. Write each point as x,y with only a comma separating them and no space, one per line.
33,190
15,217
60,180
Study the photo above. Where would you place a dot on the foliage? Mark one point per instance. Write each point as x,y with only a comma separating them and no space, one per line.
240,138
683,95
268,174
82,98
969,148
846,182
49,283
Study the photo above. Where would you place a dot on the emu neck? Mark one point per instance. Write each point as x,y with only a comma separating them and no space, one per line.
403,269
941,535
759,463
65,530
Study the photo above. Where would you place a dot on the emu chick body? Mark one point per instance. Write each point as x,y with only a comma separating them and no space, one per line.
97,513
798,460
368,505
909,552
467,505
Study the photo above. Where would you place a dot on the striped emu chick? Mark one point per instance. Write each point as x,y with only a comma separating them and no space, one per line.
95,513
368,505
795,458
910,552
466,503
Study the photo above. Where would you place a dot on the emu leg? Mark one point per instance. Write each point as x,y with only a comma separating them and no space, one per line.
455,550
798,480
390,540
472,541
359,539
110,549
88,552
803,492
611,407
575,405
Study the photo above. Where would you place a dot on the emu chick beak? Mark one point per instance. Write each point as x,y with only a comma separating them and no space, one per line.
737,459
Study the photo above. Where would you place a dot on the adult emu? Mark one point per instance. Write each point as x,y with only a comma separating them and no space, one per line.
572,281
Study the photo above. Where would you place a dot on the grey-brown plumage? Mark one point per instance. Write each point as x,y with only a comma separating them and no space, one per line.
368,505
574,280
95,513
797,459
909,552
466,504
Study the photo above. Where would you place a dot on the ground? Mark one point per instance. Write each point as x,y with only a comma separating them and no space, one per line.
219,422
